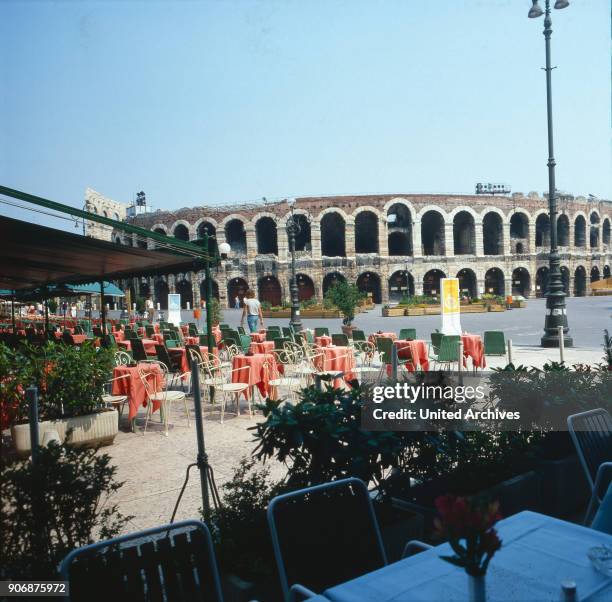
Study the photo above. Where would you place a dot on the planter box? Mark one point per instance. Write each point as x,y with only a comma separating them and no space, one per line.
473,309
414,311
434,310
497,308
281,313
89,430
518,304
392,311
564,486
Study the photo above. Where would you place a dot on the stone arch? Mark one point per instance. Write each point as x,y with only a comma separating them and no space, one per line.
331,278
521,282
542,230
563,231
594,231
464,233
236,287
541,281
605,231
398,200
468,284
181,229
161,292
606,271
366,231
401,283
580,231
183,288
306,287
432,233
333,234
565,279
580,282
431,282
369,283
205,226
270,291
214,286
495,282
594,273
267,238
519,231
235,234
399,231
303,239
493,233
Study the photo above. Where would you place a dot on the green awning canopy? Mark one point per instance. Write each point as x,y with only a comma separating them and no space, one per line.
64,290
34,256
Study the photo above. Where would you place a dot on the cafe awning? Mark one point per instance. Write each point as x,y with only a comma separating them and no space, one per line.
34,256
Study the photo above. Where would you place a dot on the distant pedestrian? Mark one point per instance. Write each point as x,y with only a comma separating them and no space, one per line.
73,311
237,302
252,311
150,307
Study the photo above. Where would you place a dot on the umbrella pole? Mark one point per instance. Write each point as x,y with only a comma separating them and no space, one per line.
102,308
46,315
13,312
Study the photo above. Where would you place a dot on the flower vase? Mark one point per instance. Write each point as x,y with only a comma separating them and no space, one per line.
477,591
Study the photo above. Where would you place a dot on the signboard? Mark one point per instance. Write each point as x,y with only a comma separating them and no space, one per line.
451,309
174,309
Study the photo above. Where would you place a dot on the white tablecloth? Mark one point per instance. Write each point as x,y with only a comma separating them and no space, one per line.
538,552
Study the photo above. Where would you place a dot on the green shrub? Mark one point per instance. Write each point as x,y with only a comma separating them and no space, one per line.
70,380
53,507
345,297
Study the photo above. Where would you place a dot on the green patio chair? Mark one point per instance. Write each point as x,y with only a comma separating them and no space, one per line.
358,335
224,326
193,330
272,334
280,342
436,339
150,330
449,350
171,344
384,346
138,351
275,328
494,342
245,342
287,332
321,331
408,334
340,340
241,330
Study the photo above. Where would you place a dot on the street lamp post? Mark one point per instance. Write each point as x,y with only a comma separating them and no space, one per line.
556,313
293,229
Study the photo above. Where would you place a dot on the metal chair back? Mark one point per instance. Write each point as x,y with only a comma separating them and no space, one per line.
340,340
384,346
494,342
407,334
436,339
315,539
321,331
245,342
449,348
358,335
171,562
138,350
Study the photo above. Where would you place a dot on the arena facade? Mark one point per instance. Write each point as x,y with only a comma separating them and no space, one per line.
387,244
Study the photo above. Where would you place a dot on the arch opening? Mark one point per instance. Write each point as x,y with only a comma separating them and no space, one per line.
161,293
594,274
235,236
270,290
183,288
369,283
214,286
265,232
521,282
401,283
565,279
366,232
563,231
464,234
468,284
580,282
542,238
541,281
399,230
492,234
580,232
333,243
181,232
331,279
206,228
594,235
519,232
236,287
494,282
432,233
306,289
431,283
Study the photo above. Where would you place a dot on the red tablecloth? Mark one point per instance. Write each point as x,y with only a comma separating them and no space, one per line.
417,350
79,339
119,335
258,337
263,369
134,388
158,338
339,359
192,340
217,334
473,347
323,341
387,335
261,347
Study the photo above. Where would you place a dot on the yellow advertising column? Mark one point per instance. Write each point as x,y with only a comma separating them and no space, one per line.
451,308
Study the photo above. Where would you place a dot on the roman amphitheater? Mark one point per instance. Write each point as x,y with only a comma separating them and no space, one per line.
386,244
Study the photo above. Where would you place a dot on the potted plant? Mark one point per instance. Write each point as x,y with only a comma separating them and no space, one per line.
70,383
345,297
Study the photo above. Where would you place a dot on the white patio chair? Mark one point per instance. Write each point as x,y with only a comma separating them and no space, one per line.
220,381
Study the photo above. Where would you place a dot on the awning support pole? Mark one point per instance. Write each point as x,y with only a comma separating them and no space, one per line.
102,308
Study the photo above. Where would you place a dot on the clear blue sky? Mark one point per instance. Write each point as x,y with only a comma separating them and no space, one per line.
230,101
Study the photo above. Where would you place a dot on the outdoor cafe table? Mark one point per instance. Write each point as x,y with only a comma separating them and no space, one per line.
258,337
263,369
133,387
261,347
416,350
79,339
323,341
538,552
473,347
386,335
336,359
